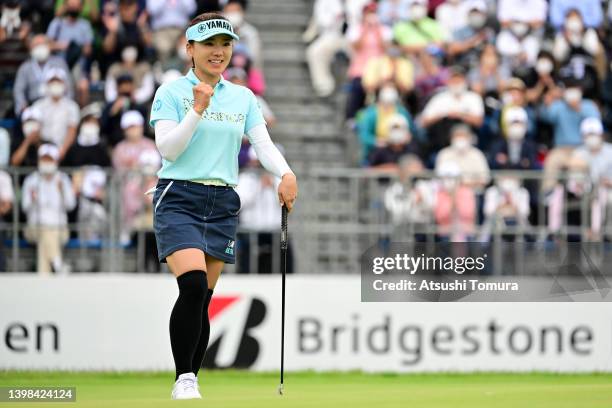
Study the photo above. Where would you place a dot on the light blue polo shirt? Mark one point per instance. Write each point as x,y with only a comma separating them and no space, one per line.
213,150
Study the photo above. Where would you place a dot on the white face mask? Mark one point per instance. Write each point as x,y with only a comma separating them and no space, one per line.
397,136
516,131
388,96
508,185
30,126
519,28
461,143
129,54
457,89
47,167
418,12
477,20
40,53
593,141
235,18
544,66
573,25
56,89
89,134
572,95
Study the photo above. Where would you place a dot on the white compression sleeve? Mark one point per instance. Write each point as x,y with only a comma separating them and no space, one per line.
172,138
267,153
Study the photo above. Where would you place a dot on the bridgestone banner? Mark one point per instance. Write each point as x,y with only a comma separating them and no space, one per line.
120,322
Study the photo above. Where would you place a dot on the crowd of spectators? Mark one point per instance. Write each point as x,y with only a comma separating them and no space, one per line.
81,102
462,87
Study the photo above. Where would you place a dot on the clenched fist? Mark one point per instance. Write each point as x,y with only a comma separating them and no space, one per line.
202,93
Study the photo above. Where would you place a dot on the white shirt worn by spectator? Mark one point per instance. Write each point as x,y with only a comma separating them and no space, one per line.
260,209
46,201
528,11
410,205
5,147
57,117
471,161
446,102
510,47
494,197
600,163
6,187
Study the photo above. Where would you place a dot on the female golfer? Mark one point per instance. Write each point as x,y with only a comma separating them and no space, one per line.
199,120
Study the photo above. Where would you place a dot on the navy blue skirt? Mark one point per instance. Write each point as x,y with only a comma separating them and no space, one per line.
194,215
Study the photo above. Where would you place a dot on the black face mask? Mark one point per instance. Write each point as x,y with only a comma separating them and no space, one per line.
73,13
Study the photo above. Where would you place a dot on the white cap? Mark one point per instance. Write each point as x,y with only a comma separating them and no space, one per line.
31,113
590,126
50,150
55,73
93,109
479,5
515,114
131,118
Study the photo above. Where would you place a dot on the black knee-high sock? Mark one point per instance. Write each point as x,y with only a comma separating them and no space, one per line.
186,319
198,356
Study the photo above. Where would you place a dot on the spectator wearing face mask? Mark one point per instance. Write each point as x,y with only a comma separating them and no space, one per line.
472,163
565,116
46,198
506,205
542,77
59,114
25,148
590,10
419,32
399,143
515,95
468,42
90,147
13,21
123,26
168,21
373,123
454,105
234,11
30,79
71,38
110,122
368,40
513,152
518,45
140,71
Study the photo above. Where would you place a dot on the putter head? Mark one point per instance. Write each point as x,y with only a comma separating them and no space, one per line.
280,389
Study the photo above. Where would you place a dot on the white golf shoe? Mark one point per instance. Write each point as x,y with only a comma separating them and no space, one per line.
186,387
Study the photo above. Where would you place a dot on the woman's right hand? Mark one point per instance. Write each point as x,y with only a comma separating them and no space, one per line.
202,93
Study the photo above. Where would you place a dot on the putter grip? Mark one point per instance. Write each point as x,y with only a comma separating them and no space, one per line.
284,228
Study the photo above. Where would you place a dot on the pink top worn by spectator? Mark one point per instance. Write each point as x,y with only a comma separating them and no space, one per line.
373,40
459,213
126,154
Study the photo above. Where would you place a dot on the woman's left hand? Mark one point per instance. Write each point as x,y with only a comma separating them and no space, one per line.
287,190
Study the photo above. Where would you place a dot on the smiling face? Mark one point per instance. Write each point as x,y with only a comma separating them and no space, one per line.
211,56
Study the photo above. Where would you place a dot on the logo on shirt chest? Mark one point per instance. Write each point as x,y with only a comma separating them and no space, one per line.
238,118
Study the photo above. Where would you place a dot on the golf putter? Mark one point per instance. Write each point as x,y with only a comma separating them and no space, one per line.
283,245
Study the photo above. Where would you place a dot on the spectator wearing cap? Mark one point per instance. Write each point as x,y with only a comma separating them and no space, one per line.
565,116
259,218
234,11
168,21
110,122
139,70
30,77
590,10
518,44
126,159
72,38
367,40
468,42
123,26
513,152
532,12
46,197
399,143
456,104
472,163
598,154
373,123
90,147
25,148
514,95
59,114
420,31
